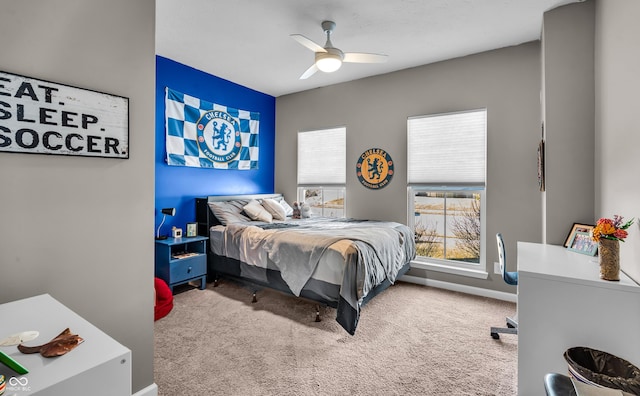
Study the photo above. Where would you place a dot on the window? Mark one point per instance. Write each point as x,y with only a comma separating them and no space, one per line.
324,201
322,171
447,223
446,157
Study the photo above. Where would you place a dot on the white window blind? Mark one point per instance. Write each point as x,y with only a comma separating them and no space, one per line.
322,156
447,148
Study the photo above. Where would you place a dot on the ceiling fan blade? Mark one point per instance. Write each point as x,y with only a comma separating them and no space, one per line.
359,57
308,43
310,72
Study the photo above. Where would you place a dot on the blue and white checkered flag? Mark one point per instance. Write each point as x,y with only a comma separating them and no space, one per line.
207,135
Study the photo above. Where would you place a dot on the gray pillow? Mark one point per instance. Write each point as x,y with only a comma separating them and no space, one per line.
229,212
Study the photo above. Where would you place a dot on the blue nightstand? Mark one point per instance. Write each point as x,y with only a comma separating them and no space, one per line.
182,260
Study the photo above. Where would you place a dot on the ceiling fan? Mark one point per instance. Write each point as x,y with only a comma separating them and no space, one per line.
329,58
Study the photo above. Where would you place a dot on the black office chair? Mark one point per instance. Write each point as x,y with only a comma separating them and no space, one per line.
559,385
510,278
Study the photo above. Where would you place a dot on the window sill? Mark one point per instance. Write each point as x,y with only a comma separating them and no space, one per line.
469,272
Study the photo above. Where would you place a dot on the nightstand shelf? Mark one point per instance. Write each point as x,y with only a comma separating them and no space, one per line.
182,260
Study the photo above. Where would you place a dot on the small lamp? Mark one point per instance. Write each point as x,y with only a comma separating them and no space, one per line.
165,212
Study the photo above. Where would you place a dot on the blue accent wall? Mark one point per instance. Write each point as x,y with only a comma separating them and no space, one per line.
178,186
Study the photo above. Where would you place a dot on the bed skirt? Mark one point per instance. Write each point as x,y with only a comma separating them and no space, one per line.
315,290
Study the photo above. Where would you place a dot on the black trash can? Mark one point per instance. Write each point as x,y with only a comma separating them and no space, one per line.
603,369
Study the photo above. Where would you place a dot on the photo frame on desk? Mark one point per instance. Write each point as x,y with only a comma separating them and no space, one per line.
582,242
192,230
577,227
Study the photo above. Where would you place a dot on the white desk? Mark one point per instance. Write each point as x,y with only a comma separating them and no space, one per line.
563,303
98,366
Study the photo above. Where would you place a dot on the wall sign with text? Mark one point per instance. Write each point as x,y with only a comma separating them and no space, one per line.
374,168
43,117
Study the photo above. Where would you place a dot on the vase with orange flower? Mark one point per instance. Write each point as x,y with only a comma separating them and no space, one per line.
609,233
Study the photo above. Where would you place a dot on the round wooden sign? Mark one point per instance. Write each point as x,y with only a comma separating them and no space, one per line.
374,168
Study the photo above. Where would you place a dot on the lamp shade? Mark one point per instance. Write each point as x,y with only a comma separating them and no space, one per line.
328,65
165,212
169,211
329,61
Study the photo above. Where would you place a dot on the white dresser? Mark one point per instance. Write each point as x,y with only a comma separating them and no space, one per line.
563,303
100,366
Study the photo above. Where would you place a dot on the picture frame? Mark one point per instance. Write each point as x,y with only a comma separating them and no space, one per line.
192,230
583,243
100,111
577,227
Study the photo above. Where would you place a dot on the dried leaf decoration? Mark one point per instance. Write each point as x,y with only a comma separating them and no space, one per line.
61,344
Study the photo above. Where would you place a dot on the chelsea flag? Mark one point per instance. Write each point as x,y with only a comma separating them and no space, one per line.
207,135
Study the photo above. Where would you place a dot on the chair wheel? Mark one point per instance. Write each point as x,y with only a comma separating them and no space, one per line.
495,336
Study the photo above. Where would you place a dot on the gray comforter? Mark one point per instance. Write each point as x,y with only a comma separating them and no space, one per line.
296,246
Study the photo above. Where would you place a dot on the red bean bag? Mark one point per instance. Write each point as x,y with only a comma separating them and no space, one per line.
164,299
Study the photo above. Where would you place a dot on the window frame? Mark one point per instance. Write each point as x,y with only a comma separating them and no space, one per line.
438,264
477,186
325,181
341,190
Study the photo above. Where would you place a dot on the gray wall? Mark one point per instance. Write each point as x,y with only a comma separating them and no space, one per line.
590,64
81,229
568,113
375,111
617,151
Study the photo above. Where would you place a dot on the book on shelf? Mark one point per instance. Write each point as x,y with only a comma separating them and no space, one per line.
182,255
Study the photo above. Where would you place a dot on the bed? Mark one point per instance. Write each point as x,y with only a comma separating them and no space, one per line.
341,263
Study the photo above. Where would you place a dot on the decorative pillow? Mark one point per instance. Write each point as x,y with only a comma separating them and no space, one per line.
229,212
288,210
272,206
257,212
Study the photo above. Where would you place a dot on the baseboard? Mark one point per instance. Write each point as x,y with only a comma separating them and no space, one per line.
478,291
151,390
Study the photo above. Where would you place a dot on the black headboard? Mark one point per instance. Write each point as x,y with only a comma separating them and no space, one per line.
205,217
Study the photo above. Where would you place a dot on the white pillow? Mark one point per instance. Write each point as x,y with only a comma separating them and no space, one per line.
288,210
272,206
256,212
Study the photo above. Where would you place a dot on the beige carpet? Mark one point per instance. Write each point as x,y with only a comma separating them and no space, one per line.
411,340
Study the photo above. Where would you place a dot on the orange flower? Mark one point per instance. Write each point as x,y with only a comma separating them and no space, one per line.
611,229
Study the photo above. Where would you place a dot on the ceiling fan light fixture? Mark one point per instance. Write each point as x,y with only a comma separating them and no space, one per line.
328,62
328,65
329,58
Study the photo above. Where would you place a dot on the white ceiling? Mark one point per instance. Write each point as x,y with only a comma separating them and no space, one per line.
247,41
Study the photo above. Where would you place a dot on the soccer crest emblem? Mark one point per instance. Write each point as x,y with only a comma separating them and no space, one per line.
374,168
219,136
